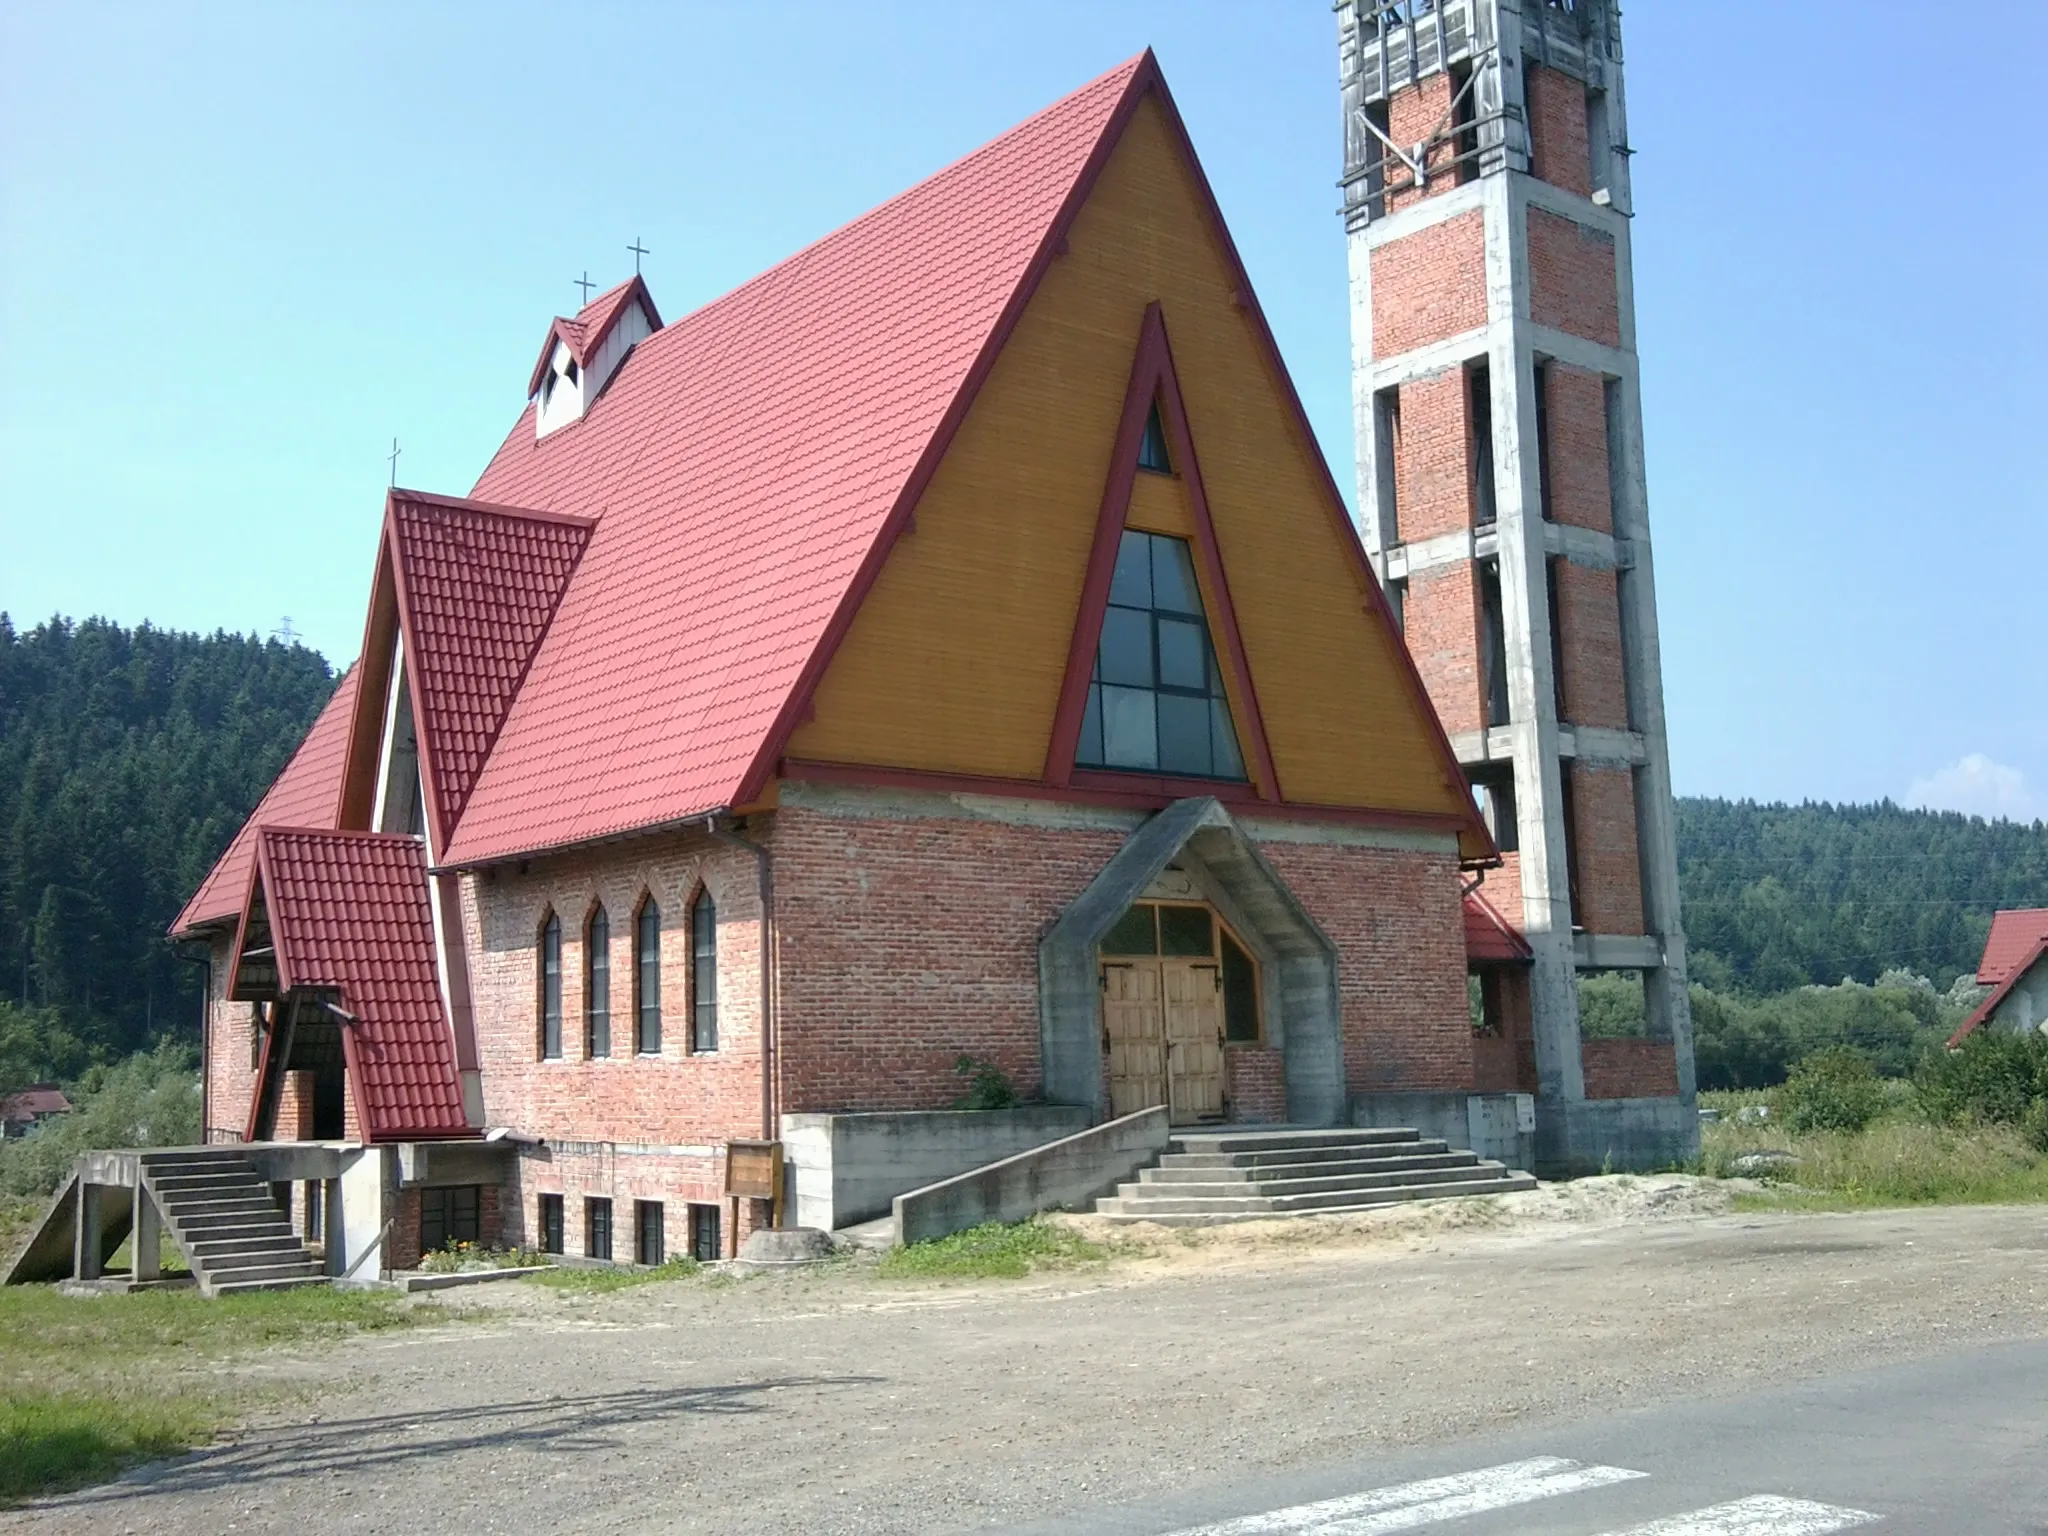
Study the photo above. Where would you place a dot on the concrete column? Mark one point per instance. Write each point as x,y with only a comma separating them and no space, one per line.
85,1243
365,1201
146,1239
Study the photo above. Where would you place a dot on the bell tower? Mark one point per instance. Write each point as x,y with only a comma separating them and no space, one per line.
1501,497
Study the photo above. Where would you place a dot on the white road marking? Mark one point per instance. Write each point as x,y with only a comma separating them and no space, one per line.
1764,1515
1408,1505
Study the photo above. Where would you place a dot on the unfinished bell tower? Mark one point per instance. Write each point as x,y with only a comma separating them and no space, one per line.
1501,497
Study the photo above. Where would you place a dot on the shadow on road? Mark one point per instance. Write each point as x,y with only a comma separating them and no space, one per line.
388,1442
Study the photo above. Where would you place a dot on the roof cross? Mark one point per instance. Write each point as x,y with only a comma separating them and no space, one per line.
393,456
585,284
638,251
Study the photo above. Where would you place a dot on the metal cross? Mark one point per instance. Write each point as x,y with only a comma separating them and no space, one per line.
585,284
638,251
394,463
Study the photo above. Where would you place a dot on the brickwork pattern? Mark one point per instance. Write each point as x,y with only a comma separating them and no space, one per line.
1575,404
1399,929
1440,623
1557,130
1413,114
1433,457
580,1171
1610,874
1430,285
1503,889
1571,279
1255,1078
1629,1069
1589,622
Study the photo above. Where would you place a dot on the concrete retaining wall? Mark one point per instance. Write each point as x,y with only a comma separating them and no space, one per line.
1501,1126
848,1168
1614,1136
1061,1175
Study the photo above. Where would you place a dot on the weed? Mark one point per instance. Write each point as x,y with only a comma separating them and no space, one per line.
987,1087
1832,1090
598,1280
994,1250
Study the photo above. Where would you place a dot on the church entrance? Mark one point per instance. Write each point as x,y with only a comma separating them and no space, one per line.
1163,1010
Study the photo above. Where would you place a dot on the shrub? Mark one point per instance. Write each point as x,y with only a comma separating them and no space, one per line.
149,1100
1831,1090
1993,1077
2034,1125
987,1088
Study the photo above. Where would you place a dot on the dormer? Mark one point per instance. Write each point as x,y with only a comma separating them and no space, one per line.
580,356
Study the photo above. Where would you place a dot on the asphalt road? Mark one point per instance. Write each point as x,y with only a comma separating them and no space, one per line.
1954,1446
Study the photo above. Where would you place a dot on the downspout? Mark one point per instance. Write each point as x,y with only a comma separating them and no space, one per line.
205,962
765,868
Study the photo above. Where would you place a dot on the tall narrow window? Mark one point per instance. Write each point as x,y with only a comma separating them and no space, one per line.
1543,440
597,985
1571,843
703,973
1156,702
551,988
1479,384
1556,637
1494,622
550,1223
1386,436
1152,452
1464,123
647,980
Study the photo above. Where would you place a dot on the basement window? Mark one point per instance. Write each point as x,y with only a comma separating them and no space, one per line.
597,1229
1152,452
705,1243
550,1223
448,1216
650,1241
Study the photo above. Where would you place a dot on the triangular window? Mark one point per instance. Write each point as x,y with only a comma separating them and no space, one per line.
1152,453
1156,702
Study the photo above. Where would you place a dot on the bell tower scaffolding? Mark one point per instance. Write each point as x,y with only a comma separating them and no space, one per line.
1501,496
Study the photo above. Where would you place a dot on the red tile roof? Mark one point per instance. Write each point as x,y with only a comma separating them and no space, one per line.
306,794
29,1103
349,913
586,333
747,481
2014,934
1488,935
477,586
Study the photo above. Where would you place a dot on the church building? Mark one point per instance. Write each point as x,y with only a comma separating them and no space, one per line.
946,658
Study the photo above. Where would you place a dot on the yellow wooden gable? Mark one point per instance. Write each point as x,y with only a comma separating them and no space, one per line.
954,662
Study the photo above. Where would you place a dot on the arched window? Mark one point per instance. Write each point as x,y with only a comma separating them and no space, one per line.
597,985
703,973
551,988
647,979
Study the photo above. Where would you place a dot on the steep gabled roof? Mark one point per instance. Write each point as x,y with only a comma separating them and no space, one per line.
2012,976
477,586
349,913
1489,936
2014,935
586,333
306,794
749,466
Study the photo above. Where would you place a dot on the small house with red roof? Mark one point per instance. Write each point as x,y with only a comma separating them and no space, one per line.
2015,968
943,660
23,1111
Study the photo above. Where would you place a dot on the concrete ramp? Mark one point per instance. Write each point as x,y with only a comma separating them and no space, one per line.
53,1249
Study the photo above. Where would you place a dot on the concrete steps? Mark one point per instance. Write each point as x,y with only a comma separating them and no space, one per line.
1253,1175
224,1220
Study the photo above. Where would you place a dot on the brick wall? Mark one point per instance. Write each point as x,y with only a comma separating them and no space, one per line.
1557,130
1440,623
1432,284
1255,1078
1433,457
1395,918
1610,876
1413,114
1571,279
230,1081
1503,888
1629,1069
580,1171
676,1097
1589,624
1575,405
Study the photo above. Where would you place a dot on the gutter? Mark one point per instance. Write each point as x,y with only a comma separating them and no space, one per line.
765,868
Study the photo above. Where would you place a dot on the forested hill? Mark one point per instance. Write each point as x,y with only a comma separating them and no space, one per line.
1781,896
128,757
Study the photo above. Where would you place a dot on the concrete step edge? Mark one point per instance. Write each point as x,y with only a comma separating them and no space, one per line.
1173,1172
1115,1210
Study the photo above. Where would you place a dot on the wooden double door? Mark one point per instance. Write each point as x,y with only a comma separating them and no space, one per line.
1162,1036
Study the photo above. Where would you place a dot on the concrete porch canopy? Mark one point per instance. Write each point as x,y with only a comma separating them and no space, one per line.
1296,958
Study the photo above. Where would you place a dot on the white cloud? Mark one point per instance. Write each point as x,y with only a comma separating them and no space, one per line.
1977,786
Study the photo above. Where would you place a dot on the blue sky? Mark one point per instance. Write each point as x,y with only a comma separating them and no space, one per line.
241,249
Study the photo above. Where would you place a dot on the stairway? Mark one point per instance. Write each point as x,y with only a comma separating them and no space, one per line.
1214,1176
219,1210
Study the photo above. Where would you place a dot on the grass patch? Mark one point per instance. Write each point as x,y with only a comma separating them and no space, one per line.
90,1385
1898,1160
598,1280
994,1251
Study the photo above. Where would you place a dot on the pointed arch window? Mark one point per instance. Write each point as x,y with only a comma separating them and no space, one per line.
703,973
551,988
647,979
597,984
1156,701
1152,452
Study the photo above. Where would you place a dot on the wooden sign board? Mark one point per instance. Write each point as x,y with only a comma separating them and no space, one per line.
753,1171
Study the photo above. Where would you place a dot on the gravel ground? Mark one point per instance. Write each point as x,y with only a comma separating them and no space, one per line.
834,1401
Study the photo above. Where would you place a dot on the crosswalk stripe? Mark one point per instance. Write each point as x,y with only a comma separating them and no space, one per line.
1764,1515
1408,1505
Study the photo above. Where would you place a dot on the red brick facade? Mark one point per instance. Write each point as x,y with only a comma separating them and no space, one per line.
1575,403
1589,623
1440,622
1433,456
1629,1069
1610,877
1557,130
1571,279
1413,115
1430,285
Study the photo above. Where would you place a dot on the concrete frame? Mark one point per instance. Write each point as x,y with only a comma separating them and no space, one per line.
1303,1015
1535,741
